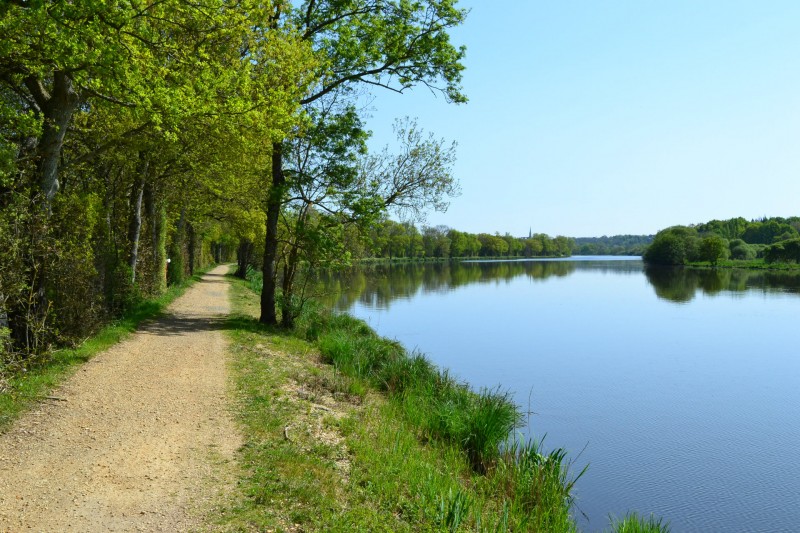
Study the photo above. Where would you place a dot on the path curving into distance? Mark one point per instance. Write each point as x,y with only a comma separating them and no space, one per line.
144,441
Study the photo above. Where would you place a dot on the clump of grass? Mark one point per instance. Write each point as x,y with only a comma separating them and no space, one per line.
635,523
537,484
445,408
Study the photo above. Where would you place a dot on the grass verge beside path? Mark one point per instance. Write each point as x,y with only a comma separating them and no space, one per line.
34,384
346,432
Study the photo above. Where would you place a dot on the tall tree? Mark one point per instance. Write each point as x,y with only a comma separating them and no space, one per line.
334,183
391,44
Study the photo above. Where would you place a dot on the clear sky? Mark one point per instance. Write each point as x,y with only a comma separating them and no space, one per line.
591,118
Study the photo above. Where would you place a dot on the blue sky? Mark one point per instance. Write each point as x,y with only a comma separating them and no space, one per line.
599,118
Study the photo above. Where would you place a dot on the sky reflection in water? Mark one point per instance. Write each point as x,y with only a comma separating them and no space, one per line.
681,387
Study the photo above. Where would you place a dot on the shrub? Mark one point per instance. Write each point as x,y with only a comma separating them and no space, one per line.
673,246
783,252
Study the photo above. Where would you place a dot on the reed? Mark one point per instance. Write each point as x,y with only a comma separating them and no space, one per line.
636,523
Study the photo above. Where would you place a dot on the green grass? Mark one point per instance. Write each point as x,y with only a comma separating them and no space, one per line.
635,523
422,451
35,380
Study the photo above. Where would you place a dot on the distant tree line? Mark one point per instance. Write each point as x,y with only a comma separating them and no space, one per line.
774,239
615,245
388,239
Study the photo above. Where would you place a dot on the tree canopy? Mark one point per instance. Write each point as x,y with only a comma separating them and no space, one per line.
713,241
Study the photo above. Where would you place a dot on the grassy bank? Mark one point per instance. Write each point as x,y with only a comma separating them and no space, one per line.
24,383
346,431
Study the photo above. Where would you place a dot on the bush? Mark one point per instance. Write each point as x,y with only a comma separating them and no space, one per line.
742,252
713,248
673,246
783,252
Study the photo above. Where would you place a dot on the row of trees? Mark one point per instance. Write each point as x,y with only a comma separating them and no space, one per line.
771,239
614,245
389,239
140,140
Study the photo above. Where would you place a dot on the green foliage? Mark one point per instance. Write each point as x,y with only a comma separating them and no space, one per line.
713,249
635,523
783,252
110,133
446,409
742,251
393,44
672,246
537,484
391,240
615,245
768,232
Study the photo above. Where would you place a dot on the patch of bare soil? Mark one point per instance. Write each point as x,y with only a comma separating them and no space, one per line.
144,440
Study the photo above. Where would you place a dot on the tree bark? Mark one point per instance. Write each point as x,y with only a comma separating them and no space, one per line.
192,245
57,110
175,270
244,255
269,269
135,221
289,271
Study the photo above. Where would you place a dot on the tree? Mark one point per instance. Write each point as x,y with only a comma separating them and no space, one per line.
786,251
334,183
124,128
392,44
671,246
713,248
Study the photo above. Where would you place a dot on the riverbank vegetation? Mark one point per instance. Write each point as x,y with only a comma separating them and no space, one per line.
344,431
763,243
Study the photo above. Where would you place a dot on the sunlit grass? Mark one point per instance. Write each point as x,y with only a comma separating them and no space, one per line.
635,523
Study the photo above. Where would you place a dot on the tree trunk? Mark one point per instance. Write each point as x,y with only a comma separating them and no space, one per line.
244,255
175,266
192,245
289,271
135,221
269,269
57,110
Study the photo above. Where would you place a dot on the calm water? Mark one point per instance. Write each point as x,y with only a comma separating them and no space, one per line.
681,387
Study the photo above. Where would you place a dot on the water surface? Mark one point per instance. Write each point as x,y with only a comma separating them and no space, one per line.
678,387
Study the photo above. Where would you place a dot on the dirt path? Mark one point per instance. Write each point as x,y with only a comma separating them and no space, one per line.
144,440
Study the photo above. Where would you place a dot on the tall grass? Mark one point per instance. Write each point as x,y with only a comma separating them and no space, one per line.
635,523
532,483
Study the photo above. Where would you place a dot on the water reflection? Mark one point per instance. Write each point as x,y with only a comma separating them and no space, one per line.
377,286
682,382
681,285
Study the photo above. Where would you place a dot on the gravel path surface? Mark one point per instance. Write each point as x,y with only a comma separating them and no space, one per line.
144,440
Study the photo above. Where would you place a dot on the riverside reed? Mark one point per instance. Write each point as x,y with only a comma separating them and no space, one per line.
345,430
